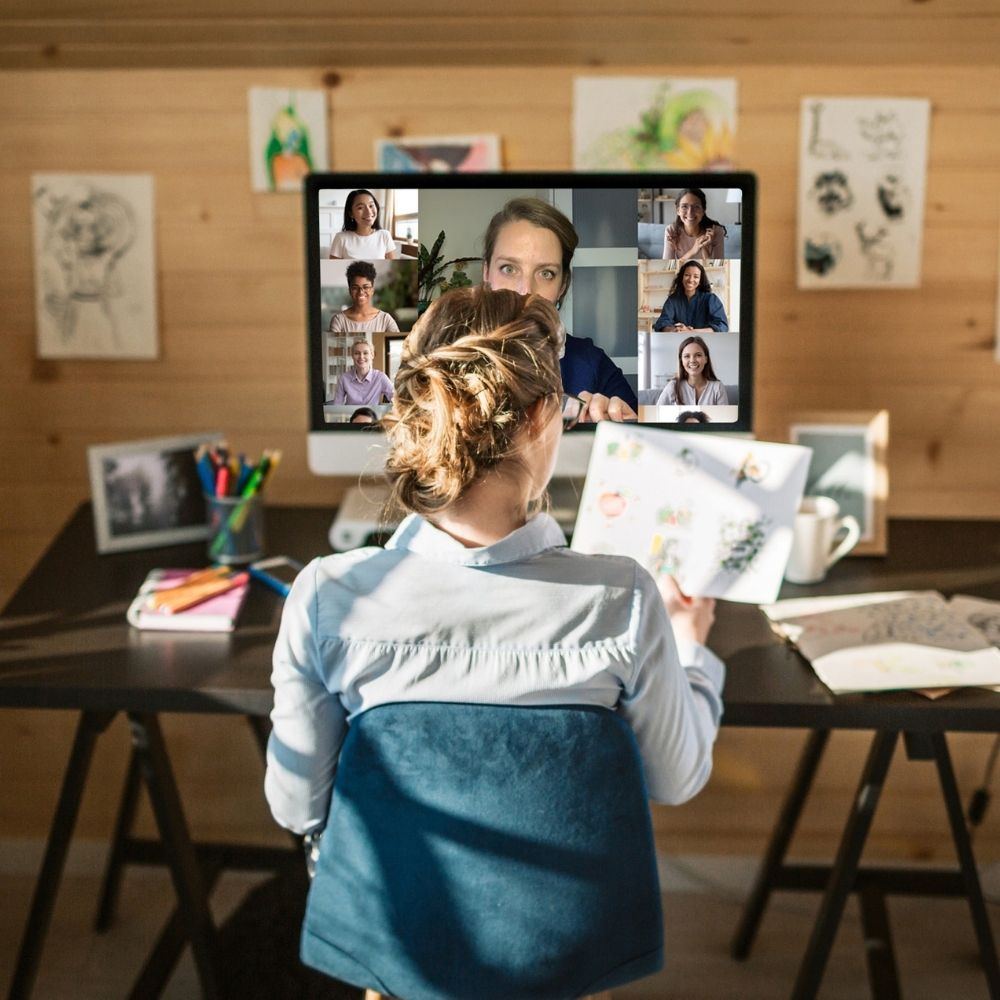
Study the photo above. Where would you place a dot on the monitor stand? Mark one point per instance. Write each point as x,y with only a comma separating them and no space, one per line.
362,513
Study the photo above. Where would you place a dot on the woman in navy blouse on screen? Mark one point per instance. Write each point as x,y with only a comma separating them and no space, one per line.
692,306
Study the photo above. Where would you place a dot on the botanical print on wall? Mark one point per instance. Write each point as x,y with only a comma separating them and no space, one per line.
95,280
287,137
862,174
653,123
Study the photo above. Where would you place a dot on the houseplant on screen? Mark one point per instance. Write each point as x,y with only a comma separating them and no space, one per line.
433,275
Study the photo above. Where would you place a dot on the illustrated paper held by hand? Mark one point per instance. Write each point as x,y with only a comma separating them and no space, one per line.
714,512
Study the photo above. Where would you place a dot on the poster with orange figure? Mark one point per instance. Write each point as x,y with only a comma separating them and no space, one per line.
287,137
713,511
653,123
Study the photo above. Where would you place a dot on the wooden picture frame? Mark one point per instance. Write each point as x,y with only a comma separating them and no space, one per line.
148,493
849,464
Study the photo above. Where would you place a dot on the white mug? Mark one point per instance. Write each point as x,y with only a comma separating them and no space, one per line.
815,544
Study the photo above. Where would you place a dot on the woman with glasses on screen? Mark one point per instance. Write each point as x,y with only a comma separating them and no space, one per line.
693,235
528,247
361,316
476,597
362,238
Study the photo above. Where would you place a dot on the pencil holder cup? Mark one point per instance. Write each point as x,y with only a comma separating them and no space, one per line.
235,529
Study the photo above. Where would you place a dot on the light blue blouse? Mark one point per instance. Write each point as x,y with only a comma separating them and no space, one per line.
524,621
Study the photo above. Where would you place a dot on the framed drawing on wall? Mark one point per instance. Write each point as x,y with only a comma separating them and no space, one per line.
148,493
849,464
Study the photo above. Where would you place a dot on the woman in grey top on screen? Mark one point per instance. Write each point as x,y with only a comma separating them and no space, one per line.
362,237
696,382
361,316
693,235
528,247
691,305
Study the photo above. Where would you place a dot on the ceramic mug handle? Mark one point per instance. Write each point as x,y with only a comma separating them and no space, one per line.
849,524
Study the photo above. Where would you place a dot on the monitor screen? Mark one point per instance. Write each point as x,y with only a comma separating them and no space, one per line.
656,294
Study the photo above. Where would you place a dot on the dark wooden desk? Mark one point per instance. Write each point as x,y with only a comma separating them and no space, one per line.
64,643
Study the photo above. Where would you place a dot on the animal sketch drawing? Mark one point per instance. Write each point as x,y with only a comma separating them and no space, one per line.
884,133
831,191
879,253
820,147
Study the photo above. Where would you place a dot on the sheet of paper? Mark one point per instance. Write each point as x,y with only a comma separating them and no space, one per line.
888,641
713,511
862,175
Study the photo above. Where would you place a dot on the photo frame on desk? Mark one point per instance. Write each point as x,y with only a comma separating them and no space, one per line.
148,493
849,464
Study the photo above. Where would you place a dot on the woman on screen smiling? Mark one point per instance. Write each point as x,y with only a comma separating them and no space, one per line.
361,316
528,247
696,382
361,238
693,235
692,306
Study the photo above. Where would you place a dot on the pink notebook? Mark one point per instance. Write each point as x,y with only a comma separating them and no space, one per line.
217,614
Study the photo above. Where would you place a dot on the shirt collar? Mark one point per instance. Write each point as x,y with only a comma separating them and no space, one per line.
367,378
418,535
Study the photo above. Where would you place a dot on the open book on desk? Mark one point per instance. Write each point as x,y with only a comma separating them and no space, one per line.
892,641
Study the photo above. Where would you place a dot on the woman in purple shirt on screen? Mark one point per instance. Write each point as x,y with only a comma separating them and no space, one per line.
362,385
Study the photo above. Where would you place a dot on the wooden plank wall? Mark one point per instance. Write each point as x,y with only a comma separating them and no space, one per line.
231,294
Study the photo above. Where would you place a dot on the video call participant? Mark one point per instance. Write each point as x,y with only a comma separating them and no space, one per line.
362,238
364,415
691,305
361,316
693,417
473,436
528,247
696,383
362,385
693,234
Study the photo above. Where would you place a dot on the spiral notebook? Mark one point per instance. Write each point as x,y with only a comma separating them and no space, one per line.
216,614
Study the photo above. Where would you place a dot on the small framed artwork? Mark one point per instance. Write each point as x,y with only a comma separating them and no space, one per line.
849,464
148,493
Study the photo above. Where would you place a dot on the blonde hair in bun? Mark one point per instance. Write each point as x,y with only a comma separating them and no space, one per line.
470,368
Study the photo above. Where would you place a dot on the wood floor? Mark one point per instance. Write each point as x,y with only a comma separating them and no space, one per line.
702,900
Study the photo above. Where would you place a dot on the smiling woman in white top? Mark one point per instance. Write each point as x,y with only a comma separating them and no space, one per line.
696,381
362,238
476,597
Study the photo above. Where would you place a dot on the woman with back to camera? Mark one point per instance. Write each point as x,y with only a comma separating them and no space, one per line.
528,247
361,316
691,305
693,235
362,238
696,383
473,434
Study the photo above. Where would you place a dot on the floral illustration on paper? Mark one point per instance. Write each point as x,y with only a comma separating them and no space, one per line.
740,542
751,470
664,556
674,517
677,123
627,451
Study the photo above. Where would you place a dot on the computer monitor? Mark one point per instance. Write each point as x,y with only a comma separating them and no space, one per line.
627,293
